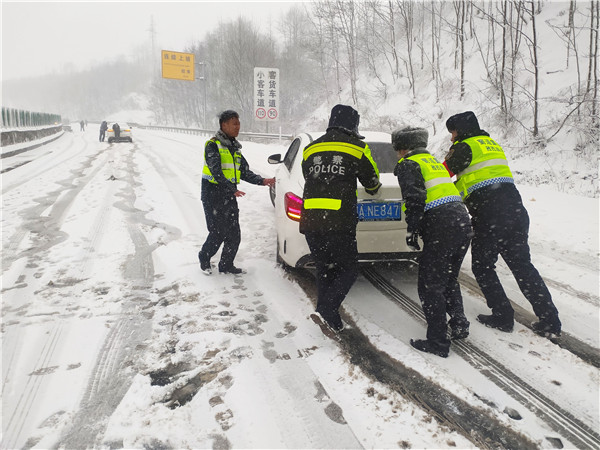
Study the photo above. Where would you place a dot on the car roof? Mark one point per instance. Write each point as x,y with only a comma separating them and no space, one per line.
370,136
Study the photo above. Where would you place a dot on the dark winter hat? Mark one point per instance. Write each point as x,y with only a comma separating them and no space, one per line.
227,115
346,118
409,138
463,123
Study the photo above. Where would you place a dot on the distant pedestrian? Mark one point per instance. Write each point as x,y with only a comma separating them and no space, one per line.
103,128
224,167
82,125
331,165
434,210
500,223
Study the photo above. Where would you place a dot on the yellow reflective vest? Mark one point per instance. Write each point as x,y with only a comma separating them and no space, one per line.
488,166
439,185
229,164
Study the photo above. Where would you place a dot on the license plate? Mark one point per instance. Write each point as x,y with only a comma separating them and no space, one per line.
370,211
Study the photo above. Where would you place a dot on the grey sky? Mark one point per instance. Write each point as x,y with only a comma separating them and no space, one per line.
43,37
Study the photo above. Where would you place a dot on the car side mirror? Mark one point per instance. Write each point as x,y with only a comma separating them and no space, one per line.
275,159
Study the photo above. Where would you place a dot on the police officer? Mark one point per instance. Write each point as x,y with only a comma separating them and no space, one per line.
434,210
501,225
331,165
103,128
224,167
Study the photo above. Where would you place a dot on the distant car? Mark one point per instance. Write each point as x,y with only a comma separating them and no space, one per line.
120,134
67,128
381,230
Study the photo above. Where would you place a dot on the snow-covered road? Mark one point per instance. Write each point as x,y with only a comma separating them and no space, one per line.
111,336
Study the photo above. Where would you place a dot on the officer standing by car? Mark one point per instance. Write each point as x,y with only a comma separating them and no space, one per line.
434,210
501,225
224,167
103,128
331,165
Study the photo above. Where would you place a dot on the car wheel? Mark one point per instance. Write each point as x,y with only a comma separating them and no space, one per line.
110,140
130,140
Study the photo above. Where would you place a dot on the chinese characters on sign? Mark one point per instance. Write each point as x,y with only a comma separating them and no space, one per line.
266,94
178,66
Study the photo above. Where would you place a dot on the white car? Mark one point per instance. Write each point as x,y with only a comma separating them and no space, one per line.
381,230
123,135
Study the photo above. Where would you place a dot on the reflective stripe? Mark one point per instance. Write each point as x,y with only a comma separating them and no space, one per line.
341,147
489,182
323,203
442,201
211,178
436,181
227,166
481,165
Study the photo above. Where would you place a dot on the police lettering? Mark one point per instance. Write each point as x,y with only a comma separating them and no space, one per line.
330,168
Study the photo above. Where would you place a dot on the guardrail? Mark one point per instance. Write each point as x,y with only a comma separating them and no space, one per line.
242,135
17,118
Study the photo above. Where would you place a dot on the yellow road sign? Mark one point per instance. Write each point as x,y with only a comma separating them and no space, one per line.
177,65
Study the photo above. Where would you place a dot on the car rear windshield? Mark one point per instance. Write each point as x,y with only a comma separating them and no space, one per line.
384,155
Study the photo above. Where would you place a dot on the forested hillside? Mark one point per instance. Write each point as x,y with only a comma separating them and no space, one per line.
528,69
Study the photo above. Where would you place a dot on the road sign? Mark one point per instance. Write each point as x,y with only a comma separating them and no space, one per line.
266,94
177,65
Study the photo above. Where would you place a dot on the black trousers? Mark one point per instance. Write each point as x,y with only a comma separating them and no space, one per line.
102,135
507,235
336,258
222,221
446,232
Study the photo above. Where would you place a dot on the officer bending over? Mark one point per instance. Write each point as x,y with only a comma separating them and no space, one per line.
500,223
434,210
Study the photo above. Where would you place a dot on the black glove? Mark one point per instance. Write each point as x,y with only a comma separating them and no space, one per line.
412,240
374,190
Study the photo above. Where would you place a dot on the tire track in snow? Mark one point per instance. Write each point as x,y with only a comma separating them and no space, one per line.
46,228
556,417
112,376
567,341
14,423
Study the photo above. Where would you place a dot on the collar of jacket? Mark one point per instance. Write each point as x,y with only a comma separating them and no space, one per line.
416,151
228,141
461,137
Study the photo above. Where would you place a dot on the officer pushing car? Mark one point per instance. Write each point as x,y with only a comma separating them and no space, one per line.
331,165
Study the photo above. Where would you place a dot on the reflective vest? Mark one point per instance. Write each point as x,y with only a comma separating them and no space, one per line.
439,185
337,147
229,164
488,166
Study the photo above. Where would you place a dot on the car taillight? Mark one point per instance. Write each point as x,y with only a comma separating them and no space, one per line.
293,206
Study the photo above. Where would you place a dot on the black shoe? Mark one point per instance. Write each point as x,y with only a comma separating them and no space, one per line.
545,329
205,265
497,322
231,269
460,332
429,347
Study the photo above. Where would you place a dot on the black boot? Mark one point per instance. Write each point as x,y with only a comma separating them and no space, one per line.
231,269
459,332
497,322
546,329
204,264
429,347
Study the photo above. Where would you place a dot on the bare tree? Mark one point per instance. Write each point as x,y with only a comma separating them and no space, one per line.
406,12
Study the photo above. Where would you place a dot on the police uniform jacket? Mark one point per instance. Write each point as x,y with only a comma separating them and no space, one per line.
487,205
223,187
331,165
414,192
